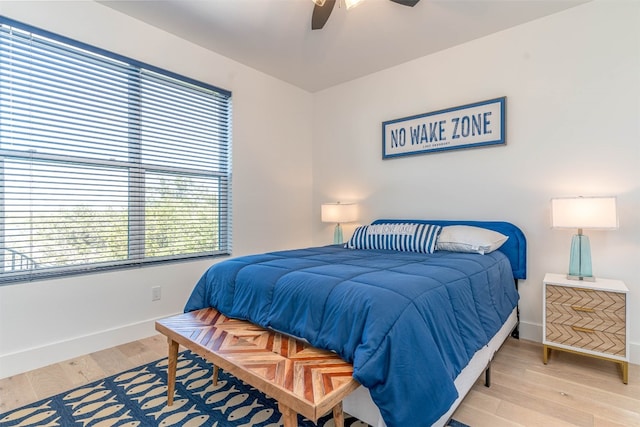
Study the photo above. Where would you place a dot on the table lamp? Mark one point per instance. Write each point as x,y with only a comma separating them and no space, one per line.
583,212
338,213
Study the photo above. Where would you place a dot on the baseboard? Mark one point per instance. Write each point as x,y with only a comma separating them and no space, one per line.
530,331
37,357
533,332
634,353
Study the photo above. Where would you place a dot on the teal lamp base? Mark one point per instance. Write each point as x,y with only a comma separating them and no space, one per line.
580,260
337,235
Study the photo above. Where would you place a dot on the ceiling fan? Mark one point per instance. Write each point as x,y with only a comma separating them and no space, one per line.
323,8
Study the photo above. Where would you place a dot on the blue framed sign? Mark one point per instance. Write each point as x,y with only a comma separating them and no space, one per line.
472,125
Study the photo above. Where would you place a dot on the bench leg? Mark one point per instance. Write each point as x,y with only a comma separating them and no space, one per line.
289,416
171,371
215,374
338,415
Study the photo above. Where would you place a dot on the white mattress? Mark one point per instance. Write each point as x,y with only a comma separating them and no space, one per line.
360,405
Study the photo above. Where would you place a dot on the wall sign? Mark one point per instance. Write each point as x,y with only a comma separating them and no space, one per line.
472,125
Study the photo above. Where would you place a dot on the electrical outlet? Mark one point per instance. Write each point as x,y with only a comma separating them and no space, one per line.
156,293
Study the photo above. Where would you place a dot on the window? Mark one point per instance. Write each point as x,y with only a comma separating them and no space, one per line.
105,162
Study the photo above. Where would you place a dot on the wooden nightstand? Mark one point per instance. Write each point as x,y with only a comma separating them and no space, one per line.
588,318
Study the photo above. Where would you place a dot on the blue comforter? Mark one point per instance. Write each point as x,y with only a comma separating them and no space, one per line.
408,322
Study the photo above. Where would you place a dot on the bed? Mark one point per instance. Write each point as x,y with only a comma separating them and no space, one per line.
418,324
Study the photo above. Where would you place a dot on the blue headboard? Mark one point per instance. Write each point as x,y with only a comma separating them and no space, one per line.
515,248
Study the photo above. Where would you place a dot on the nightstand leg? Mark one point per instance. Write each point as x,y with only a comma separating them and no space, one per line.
625,372
545,354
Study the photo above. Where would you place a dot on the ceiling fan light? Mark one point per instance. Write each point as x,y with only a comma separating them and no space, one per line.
319,2
351,3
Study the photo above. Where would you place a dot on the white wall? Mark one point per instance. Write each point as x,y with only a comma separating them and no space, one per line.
572,82
48,321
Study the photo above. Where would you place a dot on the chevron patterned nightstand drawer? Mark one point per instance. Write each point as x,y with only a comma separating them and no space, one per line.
586,317
587,311
586,338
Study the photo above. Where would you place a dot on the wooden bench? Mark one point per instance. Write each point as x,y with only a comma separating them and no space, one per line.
303,379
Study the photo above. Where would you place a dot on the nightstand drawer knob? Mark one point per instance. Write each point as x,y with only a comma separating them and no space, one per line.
579,308
579,329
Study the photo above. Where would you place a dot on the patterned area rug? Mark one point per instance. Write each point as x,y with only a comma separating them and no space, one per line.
138,398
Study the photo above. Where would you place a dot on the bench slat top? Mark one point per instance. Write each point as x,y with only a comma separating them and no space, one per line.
309,380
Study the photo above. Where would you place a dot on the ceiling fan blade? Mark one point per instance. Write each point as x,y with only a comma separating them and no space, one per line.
321,14
409,3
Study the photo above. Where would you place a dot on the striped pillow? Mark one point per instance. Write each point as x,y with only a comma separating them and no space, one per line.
406,237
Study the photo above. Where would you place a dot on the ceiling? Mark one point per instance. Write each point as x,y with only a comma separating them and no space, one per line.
275,36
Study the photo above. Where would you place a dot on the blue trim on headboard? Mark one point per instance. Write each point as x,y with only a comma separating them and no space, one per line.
515,248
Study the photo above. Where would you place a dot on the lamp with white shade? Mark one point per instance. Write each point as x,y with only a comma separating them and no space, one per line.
597,213
339,213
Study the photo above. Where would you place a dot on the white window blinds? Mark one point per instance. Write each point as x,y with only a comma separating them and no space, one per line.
105,162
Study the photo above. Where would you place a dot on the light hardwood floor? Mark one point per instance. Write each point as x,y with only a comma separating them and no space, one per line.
571,390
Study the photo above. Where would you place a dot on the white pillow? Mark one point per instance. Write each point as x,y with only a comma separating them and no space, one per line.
465,238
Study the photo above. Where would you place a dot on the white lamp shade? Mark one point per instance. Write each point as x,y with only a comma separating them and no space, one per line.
339,213
352,3
584,212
